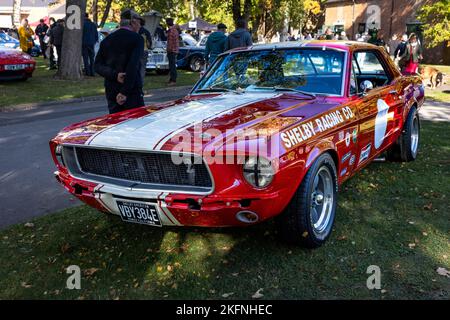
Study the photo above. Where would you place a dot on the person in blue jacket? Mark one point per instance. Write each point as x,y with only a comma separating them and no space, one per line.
90,38
215,44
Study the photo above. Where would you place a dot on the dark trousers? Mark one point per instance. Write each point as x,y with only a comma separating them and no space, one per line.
88,60
51,58
43,47
172,57
58,52
134,100
144,65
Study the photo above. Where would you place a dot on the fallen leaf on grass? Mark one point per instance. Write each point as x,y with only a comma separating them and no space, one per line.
226,295
428,206
411,245
29,225
65,247
89,272
258,294
25,285
443,272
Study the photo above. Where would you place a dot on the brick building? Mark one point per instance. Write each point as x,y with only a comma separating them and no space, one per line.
389,16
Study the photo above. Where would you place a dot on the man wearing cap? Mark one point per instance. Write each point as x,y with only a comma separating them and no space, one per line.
215,44
119,62
41,32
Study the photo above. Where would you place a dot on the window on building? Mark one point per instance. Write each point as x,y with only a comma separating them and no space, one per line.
361,28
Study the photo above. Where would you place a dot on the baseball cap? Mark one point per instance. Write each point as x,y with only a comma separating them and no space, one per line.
130,14
221,26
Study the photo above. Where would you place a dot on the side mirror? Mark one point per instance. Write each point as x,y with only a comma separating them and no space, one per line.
366,86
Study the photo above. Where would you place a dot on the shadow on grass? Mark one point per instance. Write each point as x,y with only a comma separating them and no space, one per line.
394,215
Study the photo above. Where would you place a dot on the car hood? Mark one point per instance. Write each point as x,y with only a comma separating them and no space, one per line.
197,122
7,55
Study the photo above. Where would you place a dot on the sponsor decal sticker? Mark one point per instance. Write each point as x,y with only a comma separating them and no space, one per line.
355,135
352,160
343,171
306,130
365,152
341,135
347,138
346,156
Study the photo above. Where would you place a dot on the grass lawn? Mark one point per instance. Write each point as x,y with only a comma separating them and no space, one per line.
393,215
43,87
440,94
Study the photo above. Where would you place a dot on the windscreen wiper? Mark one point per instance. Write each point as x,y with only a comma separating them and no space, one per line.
278,88
218,89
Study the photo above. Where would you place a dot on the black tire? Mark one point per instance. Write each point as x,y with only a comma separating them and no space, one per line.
162,72
295,223
407,146
195,64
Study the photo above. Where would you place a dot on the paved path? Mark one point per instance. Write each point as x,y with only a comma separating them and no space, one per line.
27,186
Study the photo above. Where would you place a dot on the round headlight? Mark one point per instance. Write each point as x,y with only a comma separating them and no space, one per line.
258,171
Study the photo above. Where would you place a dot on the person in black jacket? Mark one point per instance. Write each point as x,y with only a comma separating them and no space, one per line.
90,38
51,55
119,61
56,38
41,32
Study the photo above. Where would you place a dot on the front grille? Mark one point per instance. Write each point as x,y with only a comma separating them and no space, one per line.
139,167
156,58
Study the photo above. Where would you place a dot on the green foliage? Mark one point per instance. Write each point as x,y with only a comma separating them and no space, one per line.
265,16
436,19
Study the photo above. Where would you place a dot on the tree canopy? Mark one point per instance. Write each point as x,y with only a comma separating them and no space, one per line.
436,19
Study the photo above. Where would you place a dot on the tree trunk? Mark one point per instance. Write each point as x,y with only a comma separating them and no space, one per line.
17,5
70,68
94,11
105,13
236,10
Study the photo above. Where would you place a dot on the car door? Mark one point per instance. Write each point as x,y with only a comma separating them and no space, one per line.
379,108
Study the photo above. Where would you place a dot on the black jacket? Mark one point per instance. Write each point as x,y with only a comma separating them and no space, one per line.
41,31
56,35
121,51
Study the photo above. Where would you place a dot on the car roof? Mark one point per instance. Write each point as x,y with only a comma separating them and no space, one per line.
328,44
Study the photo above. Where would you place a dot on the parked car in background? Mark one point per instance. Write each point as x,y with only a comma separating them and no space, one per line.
270,131
192,53
15,65
6,41
157,59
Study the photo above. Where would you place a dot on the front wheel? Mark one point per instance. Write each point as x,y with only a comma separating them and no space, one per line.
407,146
309,217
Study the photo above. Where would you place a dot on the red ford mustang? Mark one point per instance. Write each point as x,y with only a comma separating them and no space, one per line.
14,64
270,130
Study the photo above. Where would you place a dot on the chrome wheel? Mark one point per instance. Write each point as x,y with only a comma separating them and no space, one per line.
415,136
195,64
321,203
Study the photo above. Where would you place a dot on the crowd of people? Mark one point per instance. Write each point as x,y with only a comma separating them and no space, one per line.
122,56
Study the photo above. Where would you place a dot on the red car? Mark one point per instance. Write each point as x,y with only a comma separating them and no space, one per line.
268,131
15,65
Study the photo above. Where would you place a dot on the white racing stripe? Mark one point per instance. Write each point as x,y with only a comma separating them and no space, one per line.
152,131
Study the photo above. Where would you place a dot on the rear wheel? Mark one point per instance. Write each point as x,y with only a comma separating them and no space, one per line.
309,217
407,146
195,64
